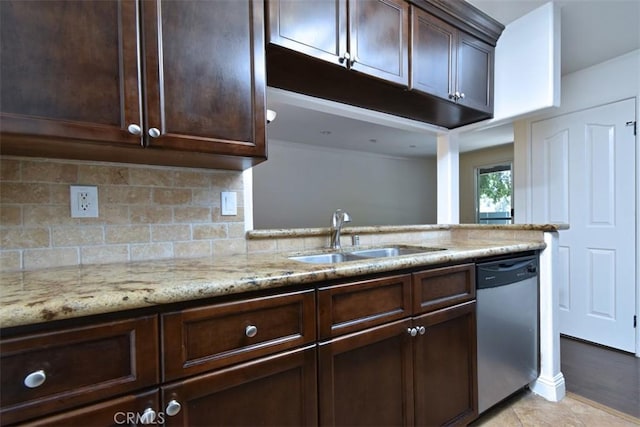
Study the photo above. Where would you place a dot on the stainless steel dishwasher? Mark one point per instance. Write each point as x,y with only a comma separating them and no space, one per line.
507,322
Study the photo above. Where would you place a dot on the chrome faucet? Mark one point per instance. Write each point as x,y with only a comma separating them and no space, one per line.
337,221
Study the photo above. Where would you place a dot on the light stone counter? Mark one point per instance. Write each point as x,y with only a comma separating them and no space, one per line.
68,292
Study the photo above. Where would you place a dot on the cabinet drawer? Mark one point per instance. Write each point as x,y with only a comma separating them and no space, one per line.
355,306
201,339
77,365
442,287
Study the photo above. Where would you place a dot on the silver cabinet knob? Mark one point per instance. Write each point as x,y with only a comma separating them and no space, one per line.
412,331
154,132
134,129
251,331
35,379
173,407
344,58
148,416
452,96
461,95
422,330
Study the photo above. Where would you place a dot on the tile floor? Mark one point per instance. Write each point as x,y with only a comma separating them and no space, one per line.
527,409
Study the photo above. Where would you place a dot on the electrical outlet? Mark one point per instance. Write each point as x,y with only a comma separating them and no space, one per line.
84,201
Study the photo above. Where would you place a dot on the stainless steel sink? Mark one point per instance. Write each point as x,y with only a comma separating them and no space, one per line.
362,254
393,251
327,258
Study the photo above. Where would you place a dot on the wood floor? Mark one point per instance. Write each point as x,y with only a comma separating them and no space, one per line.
606,376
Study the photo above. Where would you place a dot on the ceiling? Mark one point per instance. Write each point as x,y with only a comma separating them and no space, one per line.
593,31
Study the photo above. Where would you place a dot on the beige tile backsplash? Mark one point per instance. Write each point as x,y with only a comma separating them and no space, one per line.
146,212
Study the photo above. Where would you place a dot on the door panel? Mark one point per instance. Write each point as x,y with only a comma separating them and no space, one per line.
432,45
70,69
205,78
475,73
587,164
379,39
317,28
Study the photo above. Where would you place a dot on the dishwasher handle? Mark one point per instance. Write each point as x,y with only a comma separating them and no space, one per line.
511,266
504,272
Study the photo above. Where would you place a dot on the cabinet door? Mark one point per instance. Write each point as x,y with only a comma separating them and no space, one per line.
129,410
475,73
279,390
70,69
433,44
205,76
366,378
316,28
445,366
379,39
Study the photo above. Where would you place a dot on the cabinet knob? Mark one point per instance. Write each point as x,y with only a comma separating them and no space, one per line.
154,132
412,331
461,95
344,58
452,96
173,407
134,129
251,331
422,330
35,379
148,416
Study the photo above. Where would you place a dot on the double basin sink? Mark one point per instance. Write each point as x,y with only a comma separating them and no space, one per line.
362,254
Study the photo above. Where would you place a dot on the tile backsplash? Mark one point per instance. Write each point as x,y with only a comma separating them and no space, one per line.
145,212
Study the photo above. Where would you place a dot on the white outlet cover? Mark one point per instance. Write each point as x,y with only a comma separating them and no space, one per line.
229,202
84,201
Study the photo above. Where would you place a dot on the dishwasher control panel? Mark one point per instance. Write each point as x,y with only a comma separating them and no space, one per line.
499,273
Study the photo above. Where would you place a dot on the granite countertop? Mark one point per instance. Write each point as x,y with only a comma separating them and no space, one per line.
68,292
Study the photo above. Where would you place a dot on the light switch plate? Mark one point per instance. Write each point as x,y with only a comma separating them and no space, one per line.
84,201
229,203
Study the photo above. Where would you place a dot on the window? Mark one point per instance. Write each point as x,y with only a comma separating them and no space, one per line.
494,190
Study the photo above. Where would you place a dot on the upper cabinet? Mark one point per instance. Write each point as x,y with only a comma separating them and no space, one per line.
98,80
442,50
368,36
449,63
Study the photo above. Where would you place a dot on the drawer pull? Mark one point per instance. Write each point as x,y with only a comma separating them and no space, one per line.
173,407
148,416
35,379
251,331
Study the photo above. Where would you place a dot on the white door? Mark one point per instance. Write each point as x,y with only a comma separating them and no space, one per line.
583,167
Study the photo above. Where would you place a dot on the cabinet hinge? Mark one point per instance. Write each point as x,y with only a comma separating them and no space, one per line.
633,123
635,321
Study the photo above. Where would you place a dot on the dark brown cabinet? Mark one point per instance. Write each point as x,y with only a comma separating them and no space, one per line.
398,349
367,36
366,378
97,80
401,363
445,366
279,390
450,64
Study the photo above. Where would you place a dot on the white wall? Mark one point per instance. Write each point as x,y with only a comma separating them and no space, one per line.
471,160
301,185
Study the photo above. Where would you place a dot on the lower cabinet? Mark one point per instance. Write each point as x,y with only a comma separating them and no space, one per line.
366,378
445,366
417,370
379,351
278,390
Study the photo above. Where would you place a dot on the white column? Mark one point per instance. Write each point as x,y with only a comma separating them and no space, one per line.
550,384
448,179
